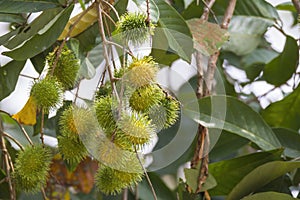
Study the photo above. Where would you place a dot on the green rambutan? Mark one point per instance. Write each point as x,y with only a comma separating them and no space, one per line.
136,128
47,93
134,27
145,97
106,112
166,113
141,72
72,149
112,181
31,168
66,68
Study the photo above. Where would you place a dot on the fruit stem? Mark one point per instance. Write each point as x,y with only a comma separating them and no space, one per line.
7,162
42,128
145,172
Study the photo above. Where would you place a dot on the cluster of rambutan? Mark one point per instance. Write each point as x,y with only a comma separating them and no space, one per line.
33,163
130,122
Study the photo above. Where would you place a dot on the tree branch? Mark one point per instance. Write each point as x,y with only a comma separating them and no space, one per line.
8,167
228,14
297,5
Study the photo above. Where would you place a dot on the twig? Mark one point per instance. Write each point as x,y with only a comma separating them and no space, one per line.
125,194
121,47
136,192
44,194
77,91
228,14
58,52
208,10
297,5
113,8
42,127
209,76
200,75
21,127
148,11
145,172
27,76
3,180
13,139
104,42
12,191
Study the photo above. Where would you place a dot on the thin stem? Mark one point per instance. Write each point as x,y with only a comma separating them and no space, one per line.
77,91
297,5
228,14
125,194
121,47
148,11
113,8
136,192
42,127
27,76
13,139
59,50
5,153
208,10
21,127
145,172
44,194
104,43
200,75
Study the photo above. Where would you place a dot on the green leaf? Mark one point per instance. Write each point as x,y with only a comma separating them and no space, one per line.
9,75
12,128
269,195
281,69
17,18
44,39
260,176
160,49
240,119
228,173
32,29
227,145
173,152
290,140
192,175
246,33
259,8
284,113
208,37
254,62
4,38
161,190
19,6
176,30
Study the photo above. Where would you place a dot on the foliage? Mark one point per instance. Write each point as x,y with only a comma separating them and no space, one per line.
107,145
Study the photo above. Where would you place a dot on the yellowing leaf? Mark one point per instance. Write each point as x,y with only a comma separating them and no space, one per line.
27,115
86,21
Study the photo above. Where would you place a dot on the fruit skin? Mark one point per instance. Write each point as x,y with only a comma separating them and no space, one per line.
47,93
31,168
134,27
106,112
143,98
72,149
66,68
112,181
136,128
166,113
141,72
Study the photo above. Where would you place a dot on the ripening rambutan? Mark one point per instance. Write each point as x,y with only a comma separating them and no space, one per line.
136,128
47,93
72,149
66,68
166,113
145,97
112,181
134,27
106,112
31,168
141,72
